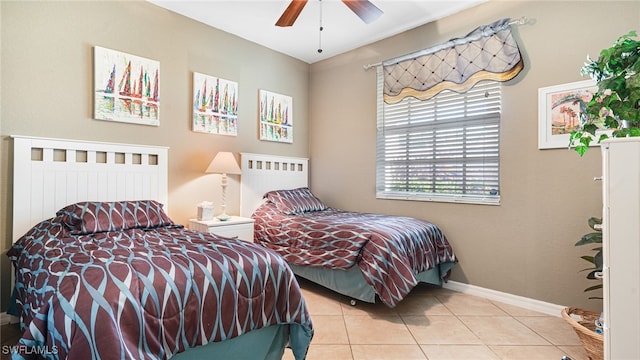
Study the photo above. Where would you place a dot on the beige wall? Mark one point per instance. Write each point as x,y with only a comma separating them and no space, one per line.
525,245
47,86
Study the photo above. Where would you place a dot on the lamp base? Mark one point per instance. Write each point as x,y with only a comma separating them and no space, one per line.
223,217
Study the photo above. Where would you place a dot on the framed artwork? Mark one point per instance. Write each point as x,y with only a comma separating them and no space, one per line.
126,87
276,117
559,109
215,105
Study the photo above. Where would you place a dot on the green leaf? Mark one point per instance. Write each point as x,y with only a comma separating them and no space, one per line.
590,238
597,260
591,129
586,140
594,287
633,81
574,135
592,275
602,137
619,133
588,269
611,122
593,221
581,149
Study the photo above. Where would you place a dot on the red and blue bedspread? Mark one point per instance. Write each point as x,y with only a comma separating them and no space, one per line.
389,250
120,280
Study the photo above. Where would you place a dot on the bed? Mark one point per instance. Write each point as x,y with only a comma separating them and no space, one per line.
100,277
361,255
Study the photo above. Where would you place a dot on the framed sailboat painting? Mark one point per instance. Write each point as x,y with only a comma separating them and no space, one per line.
276,117
215,105
126,87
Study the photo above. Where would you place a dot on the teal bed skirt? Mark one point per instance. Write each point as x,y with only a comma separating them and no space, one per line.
351,282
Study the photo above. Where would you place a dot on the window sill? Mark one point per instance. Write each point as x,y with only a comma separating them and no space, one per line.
493,200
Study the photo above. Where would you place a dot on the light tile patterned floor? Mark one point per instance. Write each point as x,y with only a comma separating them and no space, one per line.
434,324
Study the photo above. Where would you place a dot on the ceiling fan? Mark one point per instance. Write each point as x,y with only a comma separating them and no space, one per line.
363,8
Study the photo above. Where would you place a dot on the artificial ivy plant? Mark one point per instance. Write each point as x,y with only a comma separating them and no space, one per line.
616,103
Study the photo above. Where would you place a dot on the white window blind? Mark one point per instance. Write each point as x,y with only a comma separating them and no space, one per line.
446,148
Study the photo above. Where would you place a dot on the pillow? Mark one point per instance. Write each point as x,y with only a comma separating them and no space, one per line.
92,217
295,201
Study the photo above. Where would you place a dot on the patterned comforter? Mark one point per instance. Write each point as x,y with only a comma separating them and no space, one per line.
389,250
111,281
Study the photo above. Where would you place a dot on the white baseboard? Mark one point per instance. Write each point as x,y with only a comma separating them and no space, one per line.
8,319
516,300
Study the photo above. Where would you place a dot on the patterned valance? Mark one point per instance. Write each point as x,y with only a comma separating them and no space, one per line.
489,52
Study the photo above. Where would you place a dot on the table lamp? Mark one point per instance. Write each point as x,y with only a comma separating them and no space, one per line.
224,163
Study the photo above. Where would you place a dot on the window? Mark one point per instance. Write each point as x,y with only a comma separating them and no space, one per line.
446,148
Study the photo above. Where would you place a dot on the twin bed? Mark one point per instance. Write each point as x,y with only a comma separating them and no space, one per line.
108,278
361,255
97,276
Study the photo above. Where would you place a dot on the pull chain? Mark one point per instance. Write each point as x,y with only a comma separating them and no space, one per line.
320,32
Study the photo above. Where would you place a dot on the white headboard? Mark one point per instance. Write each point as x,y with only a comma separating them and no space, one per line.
263,173
49,174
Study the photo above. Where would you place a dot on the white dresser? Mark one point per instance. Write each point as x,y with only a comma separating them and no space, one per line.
621,247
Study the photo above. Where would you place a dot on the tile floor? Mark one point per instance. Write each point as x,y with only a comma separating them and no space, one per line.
434,324
431,323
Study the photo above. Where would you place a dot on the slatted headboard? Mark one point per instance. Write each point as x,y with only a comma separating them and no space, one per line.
262,173
52,173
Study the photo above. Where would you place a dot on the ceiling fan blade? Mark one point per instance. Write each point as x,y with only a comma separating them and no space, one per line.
364,9
291,13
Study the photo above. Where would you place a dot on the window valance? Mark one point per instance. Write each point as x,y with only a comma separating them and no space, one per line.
489,52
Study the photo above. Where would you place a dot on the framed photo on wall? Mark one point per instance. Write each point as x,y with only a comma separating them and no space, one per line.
215,105
276,117
559,109
126,87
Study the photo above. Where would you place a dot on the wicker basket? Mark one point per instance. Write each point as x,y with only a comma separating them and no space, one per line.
585,328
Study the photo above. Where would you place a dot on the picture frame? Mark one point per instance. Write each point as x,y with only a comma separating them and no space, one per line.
276,117
126,88
215,105
559,109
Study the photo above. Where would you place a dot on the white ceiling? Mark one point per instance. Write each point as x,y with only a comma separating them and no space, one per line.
254,20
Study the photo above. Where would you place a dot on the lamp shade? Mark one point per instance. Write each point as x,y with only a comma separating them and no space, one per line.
224,163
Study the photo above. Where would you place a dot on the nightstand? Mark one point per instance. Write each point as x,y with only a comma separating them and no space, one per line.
235,227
